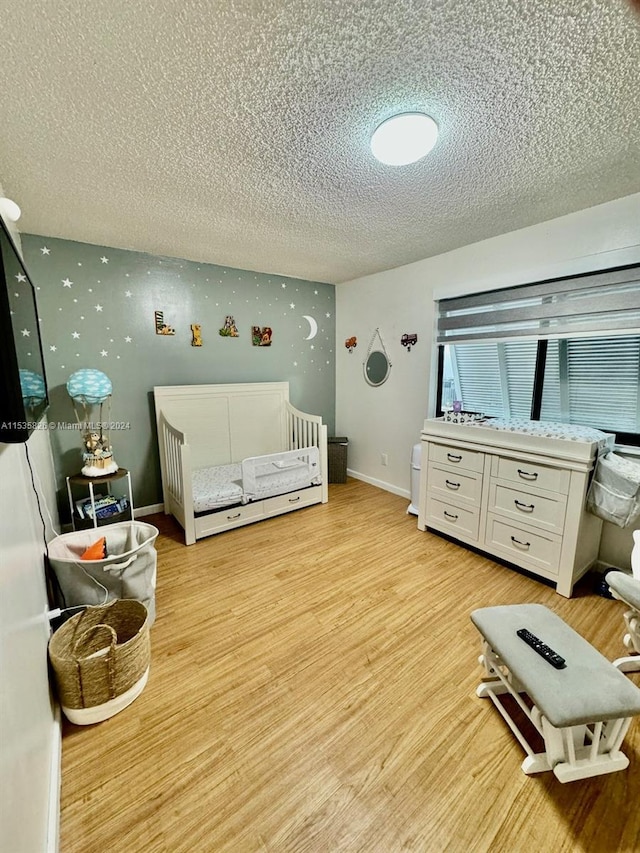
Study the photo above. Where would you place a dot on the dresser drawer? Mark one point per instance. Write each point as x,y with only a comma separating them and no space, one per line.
459,485
522,545
470,460
531,474
523,507
457,520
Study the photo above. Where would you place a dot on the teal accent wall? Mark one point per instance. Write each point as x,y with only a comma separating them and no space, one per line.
96,309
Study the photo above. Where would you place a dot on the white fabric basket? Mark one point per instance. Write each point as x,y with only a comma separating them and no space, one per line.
614,494
129,570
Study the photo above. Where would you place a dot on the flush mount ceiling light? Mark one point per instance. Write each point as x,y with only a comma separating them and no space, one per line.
9,209
404,138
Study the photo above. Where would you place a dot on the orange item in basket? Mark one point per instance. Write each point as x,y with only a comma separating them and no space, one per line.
97,551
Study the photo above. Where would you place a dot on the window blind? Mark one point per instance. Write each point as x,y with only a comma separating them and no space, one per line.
604,303
594,381
478,372
520,365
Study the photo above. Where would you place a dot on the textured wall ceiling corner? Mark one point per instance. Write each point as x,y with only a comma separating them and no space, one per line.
238,132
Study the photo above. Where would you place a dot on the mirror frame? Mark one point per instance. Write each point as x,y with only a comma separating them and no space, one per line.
366,366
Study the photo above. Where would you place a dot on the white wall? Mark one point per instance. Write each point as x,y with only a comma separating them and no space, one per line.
29,731
388,419
29,726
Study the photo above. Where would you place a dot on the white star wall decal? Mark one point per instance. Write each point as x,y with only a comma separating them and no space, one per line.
98,307
25,333
75,335
21,277
291,305
103,353
66,282
104,260
127,339
127,293
45,250
53,348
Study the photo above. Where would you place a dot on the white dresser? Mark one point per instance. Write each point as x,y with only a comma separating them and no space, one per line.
516,495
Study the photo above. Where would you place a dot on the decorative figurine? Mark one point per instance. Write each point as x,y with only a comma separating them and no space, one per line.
196,337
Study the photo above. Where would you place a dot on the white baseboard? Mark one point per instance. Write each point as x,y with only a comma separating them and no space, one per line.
140,511
55,779
381,484
601,566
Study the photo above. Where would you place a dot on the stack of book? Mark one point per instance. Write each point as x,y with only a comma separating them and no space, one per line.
105,507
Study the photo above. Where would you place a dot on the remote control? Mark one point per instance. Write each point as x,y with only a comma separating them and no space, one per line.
541,648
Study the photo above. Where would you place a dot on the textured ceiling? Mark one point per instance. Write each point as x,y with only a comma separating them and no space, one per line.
238,132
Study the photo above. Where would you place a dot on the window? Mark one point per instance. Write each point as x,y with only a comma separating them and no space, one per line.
512,353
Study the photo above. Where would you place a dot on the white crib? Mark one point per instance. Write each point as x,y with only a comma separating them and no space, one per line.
234,454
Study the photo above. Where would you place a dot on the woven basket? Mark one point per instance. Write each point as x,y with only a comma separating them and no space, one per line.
337,459
100,659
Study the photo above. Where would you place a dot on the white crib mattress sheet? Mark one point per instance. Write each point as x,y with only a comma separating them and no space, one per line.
216,487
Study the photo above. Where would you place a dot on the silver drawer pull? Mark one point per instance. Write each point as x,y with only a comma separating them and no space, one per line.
449,515
525,507
451,485
452,457
518,542
233,517
294,500
527,475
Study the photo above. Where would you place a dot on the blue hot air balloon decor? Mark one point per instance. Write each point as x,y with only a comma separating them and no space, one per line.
89,388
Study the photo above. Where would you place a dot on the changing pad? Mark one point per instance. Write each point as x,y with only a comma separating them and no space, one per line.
552,429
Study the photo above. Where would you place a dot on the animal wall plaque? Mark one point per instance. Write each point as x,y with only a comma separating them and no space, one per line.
161,327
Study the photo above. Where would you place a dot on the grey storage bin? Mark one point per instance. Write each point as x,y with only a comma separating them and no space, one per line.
614,494
129,570
337,456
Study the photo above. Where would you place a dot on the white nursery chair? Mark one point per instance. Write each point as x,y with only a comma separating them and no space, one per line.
626,588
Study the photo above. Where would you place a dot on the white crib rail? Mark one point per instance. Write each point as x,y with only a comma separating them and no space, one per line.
175,460
305,430
270,475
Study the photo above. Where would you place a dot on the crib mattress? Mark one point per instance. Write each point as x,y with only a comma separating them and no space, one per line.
217,487
221,485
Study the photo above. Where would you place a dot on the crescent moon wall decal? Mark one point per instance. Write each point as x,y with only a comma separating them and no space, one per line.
313,327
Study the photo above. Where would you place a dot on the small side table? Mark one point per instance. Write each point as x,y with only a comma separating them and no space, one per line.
90,483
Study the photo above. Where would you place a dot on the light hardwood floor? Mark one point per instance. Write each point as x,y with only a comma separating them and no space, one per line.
313,691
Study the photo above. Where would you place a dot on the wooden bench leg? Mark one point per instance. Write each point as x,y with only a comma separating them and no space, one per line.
574,752
581,752
502,681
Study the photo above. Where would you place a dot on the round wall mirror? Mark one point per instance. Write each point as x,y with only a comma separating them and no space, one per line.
376,368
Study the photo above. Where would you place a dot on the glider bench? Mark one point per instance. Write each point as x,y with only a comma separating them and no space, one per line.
582,711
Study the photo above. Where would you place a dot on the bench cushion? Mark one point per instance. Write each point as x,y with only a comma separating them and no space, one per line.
588,690
626,586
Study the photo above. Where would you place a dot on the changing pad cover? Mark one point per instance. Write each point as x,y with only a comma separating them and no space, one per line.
552,429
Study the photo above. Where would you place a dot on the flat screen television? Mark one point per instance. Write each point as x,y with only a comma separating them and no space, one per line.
23,384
